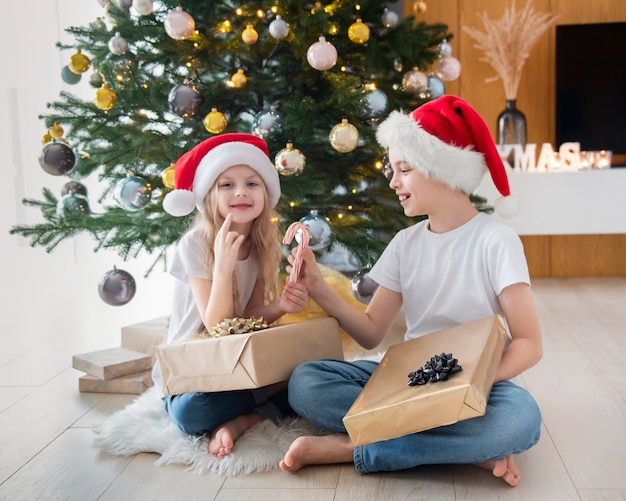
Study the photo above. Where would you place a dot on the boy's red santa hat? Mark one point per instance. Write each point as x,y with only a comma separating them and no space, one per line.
446,139
197,170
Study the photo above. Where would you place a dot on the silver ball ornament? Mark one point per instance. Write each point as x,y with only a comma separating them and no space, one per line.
117,287
320,232
132,193
289,161
363,287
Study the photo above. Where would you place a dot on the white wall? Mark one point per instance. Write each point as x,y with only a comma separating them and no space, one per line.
57,291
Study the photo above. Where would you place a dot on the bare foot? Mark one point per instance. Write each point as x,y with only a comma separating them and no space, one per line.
504,468
327,449
223,438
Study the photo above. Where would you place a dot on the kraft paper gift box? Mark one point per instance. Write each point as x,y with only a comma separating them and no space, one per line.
245,361
144,336
388,408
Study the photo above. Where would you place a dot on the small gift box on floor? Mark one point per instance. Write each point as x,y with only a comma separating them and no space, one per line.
388,407
245,361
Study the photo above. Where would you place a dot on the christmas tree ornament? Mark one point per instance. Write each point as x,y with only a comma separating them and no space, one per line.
185,100
215,122
105,98
344,137
167,176
266,123
46,138
79,62
143,7
359,32
56,131
249,35
238,80
179,24
103,2
363,287
390,19
320,231
436,87
415,81
116,287
289,161
96,79
98,24
74,203
57,158
132,193
74,187
447,67
118,44
419,7
69,77
375,102
278,28
322,55
397,64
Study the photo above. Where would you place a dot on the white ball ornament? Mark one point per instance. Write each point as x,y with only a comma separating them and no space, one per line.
448,68
118,45
289,161
415,81
279,29
179,24
322,55
143,7
390,19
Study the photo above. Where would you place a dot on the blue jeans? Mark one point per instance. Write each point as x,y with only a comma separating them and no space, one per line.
199,413
324,390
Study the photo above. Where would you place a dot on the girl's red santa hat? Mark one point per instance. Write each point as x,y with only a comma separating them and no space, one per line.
446,139
197,170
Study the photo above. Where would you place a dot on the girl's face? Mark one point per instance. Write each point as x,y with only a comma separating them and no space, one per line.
240,192
418,194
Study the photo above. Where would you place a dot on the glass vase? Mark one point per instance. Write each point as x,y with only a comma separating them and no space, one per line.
511,125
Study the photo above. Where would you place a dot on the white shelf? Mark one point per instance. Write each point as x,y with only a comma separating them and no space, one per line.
565,203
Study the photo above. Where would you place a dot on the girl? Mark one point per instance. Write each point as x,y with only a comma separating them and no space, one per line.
227,266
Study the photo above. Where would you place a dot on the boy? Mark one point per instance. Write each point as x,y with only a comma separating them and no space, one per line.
456,266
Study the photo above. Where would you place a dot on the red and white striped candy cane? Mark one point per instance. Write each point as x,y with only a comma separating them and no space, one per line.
304,243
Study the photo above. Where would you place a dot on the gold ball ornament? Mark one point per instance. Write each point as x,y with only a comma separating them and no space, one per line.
215,122
359,32
344,137
56,131
419,7
239,79
289,161
249,35
415,81
105,98
79,62
46,138
167,176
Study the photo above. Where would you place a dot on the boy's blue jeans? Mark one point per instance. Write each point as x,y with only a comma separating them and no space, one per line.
324,390
199,413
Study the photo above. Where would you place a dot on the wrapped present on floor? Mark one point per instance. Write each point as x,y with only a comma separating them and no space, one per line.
245,361
394,402
145,336
132,383
112,362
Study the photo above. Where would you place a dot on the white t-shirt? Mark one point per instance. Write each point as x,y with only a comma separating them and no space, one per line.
451,278
190,259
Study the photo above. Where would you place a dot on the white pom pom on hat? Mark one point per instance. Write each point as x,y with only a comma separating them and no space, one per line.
446,139
197,170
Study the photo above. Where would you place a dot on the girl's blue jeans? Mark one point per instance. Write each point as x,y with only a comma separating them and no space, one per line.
324,390
200,413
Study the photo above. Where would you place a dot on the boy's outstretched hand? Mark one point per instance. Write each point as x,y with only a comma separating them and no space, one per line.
294,298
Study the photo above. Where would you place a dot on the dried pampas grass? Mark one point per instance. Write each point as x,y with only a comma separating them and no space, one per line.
506,43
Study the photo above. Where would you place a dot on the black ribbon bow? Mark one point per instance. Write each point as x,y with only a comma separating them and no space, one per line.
438,368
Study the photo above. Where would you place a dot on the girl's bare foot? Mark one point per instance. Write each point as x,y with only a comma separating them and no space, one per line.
223,438
327,449
504,468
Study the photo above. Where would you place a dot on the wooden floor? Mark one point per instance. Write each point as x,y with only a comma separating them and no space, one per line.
47,451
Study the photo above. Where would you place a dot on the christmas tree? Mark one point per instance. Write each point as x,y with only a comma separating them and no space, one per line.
312,79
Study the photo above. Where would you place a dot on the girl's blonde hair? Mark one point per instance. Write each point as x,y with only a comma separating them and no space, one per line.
266,247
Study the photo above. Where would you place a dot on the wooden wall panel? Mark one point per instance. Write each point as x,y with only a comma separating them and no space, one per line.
537,250
588,255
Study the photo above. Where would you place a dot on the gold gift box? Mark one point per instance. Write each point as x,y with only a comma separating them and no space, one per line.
245,361
389,408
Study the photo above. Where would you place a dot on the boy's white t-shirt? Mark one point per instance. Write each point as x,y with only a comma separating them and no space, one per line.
190,259
451,278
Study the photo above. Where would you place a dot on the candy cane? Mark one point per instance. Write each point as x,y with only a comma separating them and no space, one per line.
304,243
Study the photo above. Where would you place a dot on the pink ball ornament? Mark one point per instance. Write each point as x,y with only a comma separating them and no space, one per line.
179,24
322,55
448,68
143,7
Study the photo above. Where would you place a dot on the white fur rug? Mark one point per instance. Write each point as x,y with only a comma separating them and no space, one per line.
144,426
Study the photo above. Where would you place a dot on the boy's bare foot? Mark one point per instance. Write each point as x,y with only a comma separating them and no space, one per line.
504,468
327,449
223,438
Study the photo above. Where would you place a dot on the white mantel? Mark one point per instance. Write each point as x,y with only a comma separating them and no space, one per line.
565,203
